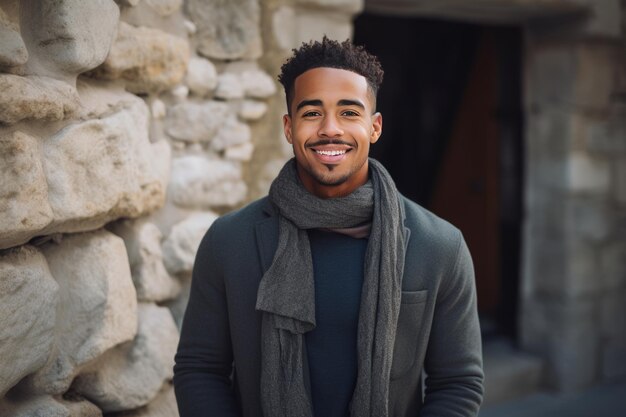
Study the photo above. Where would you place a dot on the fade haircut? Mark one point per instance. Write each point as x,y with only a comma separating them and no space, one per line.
330,54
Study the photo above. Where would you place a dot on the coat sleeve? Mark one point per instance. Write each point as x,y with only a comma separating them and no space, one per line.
453,362
204,360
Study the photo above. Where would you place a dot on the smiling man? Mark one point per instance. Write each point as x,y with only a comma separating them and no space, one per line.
334,296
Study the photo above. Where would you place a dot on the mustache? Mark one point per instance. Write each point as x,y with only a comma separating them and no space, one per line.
323,142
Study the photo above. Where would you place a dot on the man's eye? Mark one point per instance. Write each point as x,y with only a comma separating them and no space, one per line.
311,114
350,113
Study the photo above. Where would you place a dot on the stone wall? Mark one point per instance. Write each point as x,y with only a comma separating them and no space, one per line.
126,127
574,283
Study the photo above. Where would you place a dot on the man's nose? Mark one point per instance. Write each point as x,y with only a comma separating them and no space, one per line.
330,128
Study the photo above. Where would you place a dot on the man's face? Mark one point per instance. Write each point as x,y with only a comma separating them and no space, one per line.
331,127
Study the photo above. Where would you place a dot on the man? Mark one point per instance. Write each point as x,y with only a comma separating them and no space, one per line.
334,294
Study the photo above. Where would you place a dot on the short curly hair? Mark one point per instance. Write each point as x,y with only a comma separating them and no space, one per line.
330,54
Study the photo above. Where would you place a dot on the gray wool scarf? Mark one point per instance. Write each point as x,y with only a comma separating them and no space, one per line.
286,294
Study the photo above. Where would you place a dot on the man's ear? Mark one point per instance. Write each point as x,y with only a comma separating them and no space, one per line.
377,127
287,127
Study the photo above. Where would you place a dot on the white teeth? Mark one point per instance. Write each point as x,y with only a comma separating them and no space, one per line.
331,153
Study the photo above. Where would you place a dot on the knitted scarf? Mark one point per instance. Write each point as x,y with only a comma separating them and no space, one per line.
287,299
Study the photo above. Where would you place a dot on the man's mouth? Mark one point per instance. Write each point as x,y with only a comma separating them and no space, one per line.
331,153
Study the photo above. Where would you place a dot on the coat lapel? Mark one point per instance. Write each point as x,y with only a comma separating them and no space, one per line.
266,232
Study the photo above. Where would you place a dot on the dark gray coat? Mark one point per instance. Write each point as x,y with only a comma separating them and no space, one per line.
438,331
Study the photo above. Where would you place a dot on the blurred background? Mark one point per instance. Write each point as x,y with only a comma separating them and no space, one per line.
128,126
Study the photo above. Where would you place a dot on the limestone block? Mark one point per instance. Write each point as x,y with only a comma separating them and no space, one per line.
46,406
257,84
229,86
180,92
158,109
102,98
101,170
36,98
197,182
201,76
149,60
28,301
12,49
131,375
588,174
68,37
232,133
165,7
568,73
143,245
190,27
252,110
97,306
195,122
180,247
164,405
292,27
23,189
241,152
227,30
146,15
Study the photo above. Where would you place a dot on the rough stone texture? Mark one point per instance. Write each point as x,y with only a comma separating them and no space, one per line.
148,60
201,76
165,7
12,49
180,247
587,74
292,27
197,182
28,300
196,122
23,189
164,405
257,84
232,133
226,29
241,152
229,86
132,374
35,97
65,38
45,406
143,245
103,169
96,309
252,110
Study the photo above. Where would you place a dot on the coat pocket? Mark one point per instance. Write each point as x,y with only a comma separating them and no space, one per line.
408,332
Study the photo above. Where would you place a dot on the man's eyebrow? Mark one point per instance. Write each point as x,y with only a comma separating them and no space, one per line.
346,102
305,103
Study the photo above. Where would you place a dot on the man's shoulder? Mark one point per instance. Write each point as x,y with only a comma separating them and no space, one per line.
243,219
430,230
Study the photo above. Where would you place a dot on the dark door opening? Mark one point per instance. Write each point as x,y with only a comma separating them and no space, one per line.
452,138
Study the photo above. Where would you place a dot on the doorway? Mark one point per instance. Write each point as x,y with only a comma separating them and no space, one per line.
452,138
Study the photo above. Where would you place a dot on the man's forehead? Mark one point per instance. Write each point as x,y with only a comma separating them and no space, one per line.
331,85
